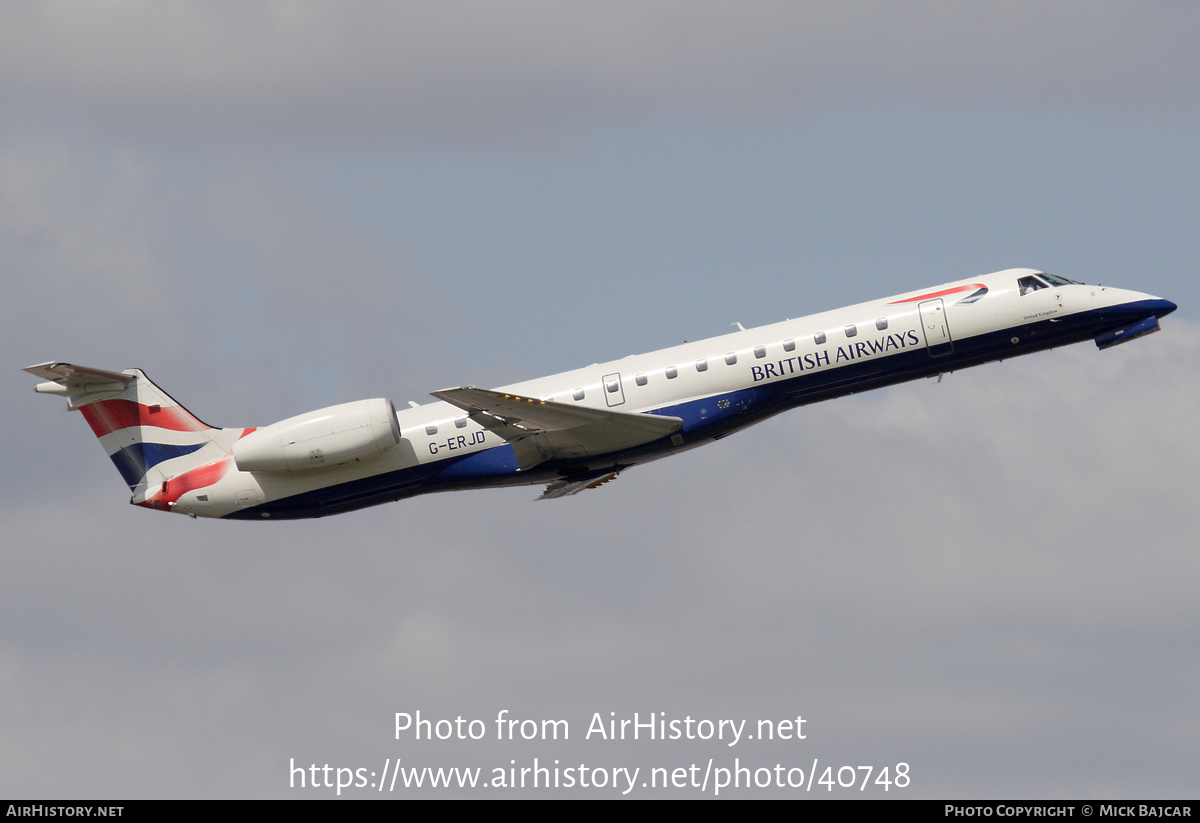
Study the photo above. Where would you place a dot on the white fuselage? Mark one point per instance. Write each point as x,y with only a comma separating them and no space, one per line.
747,375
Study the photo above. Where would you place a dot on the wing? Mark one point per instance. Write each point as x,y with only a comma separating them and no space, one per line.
541,430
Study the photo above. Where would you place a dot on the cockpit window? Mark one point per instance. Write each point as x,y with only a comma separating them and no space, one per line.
1028,285
1055,280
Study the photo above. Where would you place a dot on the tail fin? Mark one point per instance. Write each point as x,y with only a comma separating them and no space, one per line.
148,436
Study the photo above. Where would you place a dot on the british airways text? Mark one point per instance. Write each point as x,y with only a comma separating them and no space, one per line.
848,352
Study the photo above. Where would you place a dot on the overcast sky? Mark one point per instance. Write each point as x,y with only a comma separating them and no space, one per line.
280,206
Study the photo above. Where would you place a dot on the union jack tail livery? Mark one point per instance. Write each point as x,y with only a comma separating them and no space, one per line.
148,436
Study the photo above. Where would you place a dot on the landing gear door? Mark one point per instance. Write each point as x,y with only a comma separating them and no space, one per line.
935,328
614,394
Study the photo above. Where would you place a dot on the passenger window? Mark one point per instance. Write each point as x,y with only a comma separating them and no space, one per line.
672,372
730,358
701,365
578,395
460,422
431,429
761,351
881,323
789,345
612,386
640,379
851,330
819,337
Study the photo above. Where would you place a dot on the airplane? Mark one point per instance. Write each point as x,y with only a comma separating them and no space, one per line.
578,430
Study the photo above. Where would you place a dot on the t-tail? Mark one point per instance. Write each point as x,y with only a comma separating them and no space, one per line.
150,438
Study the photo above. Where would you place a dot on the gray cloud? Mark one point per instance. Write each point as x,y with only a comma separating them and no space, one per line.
476,72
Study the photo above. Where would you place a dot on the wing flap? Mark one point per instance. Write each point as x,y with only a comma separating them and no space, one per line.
566,488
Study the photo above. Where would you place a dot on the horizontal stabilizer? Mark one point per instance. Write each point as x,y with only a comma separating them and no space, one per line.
541,430
65,374
81,385
566,488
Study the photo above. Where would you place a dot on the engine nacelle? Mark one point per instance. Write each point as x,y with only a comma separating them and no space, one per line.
326,437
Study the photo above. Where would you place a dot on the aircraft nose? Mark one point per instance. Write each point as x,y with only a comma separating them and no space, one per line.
1162,308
